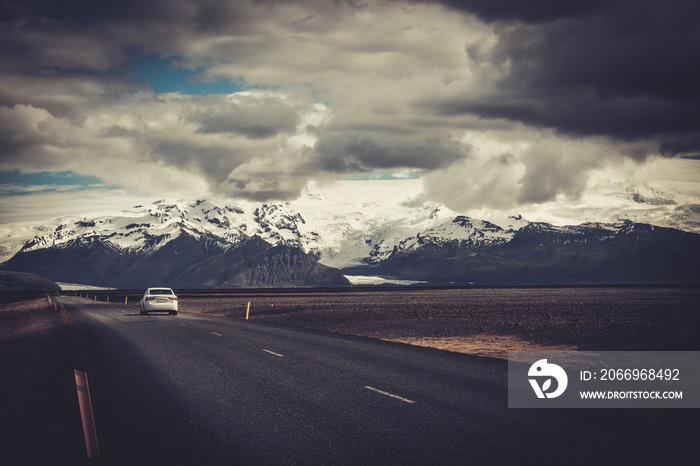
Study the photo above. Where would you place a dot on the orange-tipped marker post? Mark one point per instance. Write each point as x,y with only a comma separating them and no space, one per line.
85,402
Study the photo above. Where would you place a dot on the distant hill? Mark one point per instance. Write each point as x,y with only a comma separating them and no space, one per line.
20,281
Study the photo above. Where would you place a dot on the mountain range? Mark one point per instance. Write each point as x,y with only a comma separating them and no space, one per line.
203,244
467,251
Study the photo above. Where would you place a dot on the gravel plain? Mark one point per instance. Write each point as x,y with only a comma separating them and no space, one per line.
483,321
480,321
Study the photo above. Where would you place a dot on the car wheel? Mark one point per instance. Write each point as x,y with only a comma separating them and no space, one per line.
173,313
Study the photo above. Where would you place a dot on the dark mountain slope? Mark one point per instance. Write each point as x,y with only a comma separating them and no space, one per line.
91,261
256,263
191,260
542,254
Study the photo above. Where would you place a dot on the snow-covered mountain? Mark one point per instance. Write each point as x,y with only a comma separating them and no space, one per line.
468,251
295,243
272,244
463,232
337,237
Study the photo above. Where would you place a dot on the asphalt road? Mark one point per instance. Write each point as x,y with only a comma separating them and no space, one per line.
192,389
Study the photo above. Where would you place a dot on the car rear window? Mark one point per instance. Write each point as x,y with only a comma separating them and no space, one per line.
161,291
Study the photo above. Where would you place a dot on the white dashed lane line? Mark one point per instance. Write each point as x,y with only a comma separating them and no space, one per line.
376,390
405,400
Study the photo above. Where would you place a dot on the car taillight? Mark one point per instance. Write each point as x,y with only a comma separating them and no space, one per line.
173,298
150,298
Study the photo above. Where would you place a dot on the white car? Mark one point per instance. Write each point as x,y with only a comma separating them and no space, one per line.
159,300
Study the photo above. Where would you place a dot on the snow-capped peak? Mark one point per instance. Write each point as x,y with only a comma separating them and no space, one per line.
463,231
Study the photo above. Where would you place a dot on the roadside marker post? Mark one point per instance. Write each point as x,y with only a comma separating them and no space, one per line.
63,314
126,298
81,384
247,311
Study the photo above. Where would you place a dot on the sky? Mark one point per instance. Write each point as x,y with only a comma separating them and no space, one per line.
564,111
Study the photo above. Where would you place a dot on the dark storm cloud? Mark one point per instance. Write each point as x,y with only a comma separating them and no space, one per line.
70,10
364,152
85,35
47,47
624,69
583,113
214,161
19,137
263,120
521,10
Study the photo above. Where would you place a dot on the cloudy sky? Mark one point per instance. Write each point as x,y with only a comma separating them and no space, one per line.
572,108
